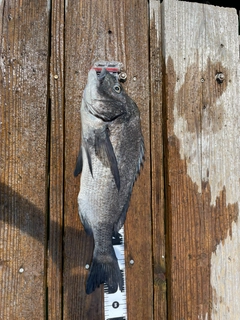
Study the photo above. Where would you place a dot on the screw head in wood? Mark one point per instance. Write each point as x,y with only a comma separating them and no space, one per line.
131,261
122,76
87,266
219,77
21,270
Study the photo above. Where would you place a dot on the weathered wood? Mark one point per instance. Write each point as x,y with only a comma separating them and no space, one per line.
187,45
202,131
56,159
106,30
138,223
157,170
23,165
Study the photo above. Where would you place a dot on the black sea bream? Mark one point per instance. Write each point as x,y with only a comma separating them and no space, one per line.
110,158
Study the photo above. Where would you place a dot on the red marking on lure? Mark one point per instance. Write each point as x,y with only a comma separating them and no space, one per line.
109,69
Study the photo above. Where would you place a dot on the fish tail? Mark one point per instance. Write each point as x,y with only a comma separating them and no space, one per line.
105,269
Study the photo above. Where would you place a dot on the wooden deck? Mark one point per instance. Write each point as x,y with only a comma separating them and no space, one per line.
182,228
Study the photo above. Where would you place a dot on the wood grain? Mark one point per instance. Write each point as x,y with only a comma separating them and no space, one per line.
138,223
107,30
157,169
56,162
182,228
23,158
202,127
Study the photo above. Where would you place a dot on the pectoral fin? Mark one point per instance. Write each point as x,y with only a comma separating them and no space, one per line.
79,163
105,152
88,158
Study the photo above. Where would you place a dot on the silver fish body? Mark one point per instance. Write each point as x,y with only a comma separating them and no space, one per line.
109,160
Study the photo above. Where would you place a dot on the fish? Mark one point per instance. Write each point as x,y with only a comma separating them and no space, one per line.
109,161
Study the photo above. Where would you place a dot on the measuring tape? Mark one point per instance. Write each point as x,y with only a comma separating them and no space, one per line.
115,304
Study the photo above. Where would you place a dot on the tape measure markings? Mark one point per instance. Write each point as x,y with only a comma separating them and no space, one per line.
115,304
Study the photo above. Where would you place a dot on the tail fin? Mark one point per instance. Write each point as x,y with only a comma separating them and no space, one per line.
105,270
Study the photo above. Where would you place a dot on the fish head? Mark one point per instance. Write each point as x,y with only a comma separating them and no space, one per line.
103,88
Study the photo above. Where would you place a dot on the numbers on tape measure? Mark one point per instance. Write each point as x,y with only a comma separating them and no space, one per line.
115,304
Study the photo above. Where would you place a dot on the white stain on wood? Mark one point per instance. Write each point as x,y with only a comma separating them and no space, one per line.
198,36
225,277
202,32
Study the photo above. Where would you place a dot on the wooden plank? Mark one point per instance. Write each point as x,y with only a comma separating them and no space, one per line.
56,154
202,136
106,30
23,166
158,205
138,223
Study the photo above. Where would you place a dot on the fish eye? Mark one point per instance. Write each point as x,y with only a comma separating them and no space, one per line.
117,88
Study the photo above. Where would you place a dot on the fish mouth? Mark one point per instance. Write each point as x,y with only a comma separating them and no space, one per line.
101,74
95,76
